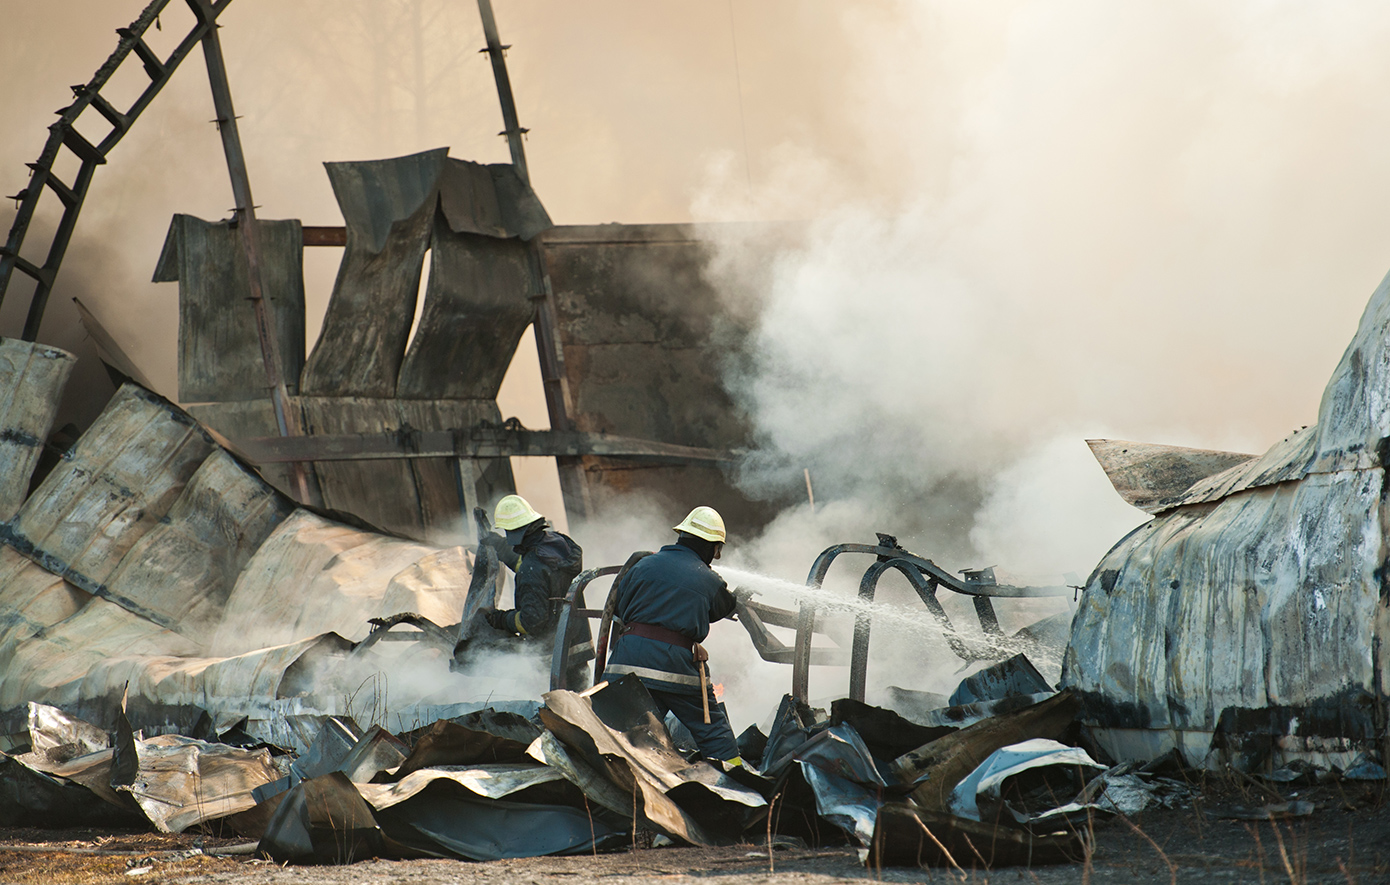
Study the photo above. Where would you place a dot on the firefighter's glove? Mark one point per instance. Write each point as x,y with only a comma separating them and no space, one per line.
499,620
497,542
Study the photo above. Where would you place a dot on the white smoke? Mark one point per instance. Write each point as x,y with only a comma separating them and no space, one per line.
1150,221
1110,221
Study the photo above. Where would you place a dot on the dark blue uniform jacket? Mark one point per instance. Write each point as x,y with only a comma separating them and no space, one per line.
672,588
545,564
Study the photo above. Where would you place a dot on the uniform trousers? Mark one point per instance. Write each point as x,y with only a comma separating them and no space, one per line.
715,738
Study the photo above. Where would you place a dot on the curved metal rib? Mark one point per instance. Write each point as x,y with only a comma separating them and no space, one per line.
926,589
560,657
925,577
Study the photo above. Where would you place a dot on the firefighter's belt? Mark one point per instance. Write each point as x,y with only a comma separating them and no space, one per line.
660,634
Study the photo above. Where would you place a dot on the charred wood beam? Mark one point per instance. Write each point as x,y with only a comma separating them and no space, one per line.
478,443
324,236
936,767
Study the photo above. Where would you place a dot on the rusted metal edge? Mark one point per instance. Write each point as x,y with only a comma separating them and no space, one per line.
478,443
108,351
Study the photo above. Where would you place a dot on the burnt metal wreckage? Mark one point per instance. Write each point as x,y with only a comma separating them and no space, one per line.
585,772
1244,625
304,498
211,721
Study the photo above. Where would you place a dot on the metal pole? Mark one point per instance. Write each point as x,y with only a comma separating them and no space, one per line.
557,395
285,420
495,51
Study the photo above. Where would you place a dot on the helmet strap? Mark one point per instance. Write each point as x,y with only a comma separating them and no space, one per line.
703,549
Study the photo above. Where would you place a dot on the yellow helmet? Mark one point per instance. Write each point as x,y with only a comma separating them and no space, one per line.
703,522
513,512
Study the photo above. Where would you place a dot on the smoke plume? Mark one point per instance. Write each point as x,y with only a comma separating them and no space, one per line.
1154,221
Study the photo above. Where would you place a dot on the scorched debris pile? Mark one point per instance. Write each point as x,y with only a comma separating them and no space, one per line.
588,772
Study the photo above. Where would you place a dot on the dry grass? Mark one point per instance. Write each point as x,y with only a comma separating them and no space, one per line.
58,868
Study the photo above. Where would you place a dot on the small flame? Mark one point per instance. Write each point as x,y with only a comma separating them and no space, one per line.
719,691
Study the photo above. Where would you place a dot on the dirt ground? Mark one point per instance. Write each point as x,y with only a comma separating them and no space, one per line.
1345,840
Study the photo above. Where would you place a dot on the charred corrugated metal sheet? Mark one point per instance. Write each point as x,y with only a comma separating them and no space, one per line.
180,782
481,278
250,419
490,200
81,663
116,484
646,341
85,663
494,781
360,379
152,562
350,576
35,376
206,540
119,366
219,349
418,497
476,309
31,600
389,208
1245,623
628,745
1288,460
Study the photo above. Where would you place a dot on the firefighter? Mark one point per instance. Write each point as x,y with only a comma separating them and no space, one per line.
666,602
545,563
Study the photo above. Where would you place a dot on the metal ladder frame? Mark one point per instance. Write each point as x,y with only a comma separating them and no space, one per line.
63,135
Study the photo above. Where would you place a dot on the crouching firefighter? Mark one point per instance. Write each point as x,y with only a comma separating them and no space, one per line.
666,601
545,562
